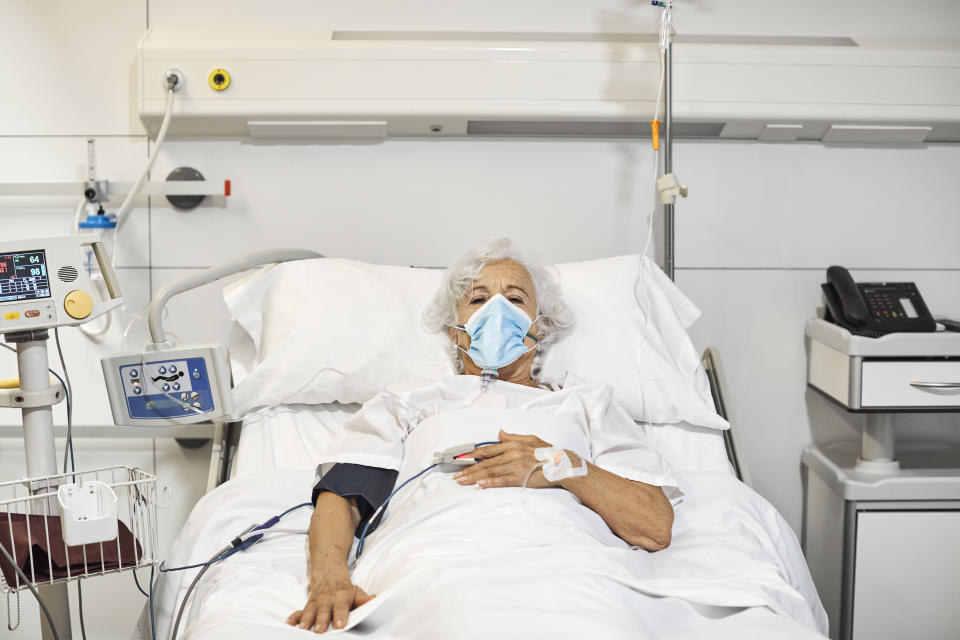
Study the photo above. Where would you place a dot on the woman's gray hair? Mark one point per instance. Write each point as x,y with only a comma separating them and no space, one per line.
556,318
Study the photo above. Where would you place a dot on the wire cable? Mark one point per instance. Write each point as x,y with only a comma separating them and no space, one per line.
33,590
69,389
153,624
69,401
363,534
229,552
137,581
186,596
83,628
294,508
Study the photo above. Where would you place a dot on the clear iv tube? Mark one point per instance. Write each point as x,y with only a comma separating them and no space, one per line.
641,280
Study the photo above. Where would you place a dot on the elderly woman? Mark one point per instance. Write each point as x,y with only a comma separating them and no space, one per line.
501,314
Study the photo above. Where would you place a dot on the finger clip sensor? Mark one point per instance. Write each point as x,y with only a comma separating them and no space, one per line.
455,455
557,465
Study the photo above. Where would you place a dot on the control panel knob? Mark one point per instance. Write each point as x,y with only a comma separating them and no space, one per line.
78,304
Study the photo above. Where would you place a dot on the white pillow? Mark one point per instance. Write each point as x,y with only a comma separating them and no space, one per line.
653,367
295,319
298,318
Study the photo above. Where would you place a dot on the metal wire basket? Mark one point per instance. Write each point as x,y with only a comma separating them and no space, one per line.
31,531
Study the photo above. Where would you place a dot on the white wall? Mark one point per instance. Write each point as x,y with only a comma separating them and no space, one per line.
760,226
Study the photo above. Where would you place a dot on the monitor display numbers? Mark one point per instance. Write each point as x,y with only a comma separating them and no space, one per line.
23,276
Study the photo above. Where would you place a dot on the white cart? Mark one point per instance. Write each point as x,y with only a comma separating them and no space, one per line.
881,522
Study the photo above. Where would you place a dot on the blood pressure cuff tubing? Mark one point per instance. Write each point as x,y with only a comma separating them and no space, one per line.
370,486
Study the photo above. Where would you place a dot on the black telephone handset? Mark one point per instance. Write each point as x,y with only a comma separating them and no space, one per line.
875,308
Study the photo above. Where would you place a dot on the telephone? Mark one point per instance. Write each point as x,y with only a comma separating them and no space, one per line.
874,308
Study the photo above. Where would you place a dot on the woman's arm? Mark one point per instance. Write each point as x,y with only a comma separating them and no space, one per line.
637,512
332,594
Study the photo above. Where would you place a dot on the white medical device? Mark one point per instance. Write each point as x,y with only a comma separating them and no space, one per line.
44,284
88,512
167,385
47,283
181,385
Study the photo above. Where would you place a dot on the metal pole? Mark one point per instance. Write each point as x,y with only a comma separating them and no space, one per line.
668,165
41,454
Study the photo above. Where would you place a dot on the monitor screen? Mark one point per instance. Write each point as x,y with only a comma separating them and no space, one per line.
23,276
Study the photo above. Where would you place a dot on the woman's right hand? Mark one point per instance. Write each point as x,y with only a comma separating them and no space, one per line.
332,597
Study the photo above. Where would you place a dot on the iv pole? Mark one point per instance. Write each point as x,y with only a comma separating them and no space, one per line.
668,231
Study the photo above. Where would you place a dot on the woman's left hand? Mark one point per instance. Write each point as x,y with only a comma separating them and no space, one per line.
508,463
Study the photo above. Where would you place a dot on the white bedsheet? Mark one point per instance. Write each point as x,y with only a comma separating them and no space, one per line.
734,568
288,437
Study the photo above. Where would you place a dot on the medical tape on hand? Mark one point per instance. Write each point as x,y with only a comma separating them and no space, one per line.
557,465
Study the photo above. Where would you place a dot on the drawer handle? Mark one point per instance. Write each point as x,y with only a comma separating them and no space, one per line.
935,385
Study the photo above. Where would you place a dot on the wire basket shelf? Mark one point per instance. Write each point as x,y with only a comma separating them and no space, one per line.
31,531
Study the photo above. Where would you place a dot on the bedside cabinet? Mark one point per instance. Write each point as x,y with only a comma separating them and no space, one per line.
881,519
884,549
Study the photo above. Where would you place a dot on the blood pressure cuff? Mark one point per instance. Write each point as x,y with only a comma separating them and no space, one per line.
370,486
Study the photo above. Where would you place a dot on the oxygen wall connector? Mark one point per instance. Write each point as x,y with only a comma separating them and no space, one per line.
173,79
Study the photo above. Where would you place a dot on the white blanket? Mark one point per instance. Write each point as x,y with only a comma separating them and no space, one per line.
454,561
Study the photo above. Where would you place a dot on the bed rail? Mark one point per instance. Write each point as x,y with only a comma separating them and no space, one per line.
718,389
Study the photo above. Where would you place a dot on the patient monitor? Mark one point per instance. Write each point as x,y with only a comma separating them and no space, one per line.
46,283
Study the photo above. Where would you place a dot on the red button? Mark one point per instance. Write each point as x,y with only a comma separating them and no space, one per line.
32,313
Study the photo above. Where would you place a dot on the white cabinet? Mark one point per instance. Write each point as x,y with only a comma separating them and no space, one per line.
884,549
907,568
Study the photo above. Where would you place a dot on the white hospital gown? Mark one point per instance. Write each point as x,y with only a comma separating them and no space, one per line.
596,427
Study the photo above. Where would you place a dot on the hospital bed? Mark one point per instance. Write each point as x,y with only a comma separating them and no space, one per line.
734,568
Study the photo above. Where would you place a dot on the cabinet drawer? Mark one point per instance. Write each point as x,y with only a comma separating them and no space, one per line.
907,383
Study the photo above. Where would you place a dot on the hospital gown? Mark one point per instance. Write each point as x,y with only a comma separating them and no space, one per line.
584,417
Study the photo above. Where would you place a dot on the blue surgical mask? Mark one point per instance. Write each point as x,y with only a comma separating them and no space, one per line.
496,331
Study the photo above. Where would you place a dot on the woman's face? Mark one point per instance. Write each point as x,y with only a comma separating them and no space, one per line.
512,280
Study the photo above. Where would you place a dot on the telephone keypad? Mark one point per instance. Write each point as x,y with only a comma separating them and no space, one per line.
884,300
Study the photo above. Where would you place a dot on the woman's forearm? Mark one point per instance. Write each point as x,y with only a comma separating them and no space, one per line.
637,512
331,534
